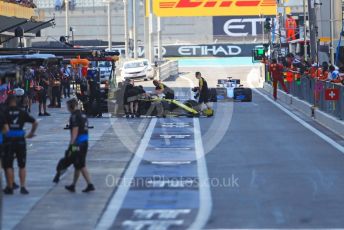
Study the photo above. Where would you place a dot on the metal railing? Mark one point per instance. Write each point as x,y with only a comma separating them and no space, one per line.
313,91
168,69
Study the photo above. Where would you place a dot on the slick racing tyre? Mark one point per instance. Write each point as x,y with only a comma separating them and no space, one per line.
191,103
194,105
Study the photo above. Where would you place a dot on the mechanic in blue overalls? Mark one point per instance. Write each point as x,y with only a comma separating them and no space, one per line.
78,145
15,143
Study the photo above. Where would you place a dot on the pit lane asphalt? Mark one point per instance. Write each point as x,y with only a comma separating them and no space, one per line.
267,171
287,177
49,206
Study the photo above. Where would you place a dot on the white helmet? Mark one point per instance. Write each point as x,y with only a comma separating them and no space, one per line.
18,92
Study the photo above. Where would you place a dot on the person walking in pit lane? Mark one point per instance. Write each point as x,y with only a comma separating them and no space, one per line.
78,145
56,88
276,70
15,143
41,88
66,79
29,86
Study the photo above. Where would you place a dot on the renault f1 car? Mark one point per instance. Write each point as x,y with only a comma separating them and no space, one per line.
149,106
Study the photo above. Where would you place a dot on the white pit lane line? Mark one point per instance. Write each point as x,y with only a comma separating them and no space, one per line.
205,202
205,194
323,136
117,199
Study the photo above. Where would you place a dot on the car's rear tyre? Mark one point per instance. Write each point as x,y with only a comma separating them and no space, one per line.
192,104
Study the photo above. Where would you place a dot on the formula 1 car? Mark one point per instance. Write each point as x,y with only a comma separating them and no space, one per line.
235,90
149,106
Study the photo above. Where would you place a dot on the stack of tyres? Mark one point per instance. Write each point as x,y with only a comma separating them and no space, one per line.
221,93
212,95
242,94
104,100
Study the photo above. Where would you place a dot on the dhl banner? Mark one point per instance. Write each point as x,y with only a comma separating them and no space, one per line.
173,8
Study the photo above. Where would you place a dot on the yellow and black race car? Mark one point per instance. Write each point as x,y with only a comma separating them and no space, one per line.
149,106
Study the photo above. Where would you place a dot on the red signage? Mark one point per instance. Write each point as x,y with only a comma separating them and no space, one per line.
175,8
332,94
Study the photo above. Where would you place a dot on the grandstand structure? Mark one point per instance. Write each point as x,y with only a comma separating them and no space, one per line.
15,16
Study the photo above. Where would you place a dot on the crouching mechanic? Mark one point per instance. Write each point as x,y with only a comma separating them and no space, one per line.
161,88
15,143
78,144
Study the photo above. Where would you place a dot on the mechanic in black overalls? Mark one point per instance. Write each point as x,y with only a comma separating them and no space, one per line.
41,88
15,143
94,92
78,145
162,88
131,104
203,90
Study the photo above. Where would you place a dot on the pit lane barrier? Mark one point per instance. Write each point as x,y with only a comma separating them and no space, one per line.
168,69
307,95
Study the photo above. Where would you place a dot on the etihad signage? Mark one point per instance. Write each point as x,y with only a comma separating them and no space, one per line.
238,26
202,50
173,8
